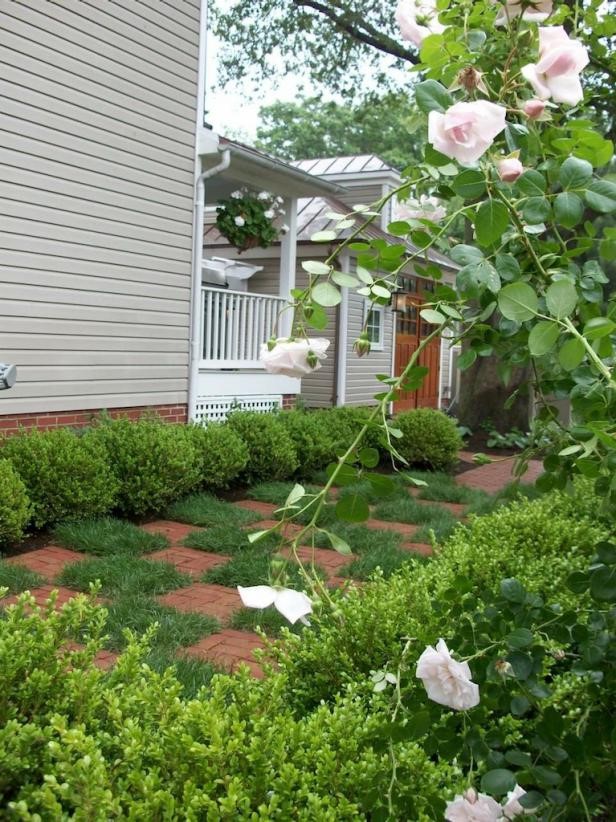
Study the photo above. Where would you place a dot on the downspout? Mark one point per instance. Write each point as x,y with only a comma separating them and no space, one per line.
197,259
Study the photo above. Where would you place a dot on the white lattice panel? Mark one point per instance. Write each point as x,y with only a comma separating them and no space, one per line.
217,409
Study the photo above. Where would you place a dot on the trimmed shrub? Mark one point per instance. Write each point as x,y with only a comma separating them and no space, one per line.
222,454
312,439
154,462
14,504
66,476
271,453
430,439
76,742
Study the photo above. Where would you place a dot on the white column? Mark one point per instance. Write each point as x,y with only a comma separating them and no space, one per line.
288,262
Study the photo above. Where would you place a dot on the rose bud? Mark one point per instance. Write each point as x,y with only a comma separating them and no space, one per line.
534,108
362,345
510,169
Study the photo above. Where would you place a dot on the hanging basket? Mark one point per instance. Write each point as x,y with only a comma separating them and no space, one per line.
249,242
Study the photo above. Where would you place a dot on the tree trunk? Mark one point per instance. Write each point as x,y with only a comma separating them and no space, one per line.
482,396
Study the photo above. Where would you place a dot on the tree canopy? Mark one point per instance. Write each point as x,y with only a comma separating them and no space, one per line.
312,128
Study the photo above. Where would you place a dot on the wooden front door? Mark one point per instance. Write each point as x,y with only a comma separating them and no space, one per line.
410,330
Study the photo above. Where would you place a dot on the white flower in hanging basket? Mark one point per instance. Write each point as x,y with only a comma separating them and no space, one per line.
294,358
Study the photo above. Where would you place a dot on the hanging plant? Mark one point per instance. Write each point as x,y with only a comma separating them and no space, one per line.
249,220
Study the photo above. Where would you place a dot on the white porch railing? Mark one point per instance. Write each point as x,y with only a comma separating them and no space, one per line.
235,325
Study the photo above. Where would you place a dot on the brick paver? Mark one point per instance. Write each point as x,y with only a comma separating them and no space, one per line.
203,598
331,561
48,561
404,528
456,508
289,528
229,648
41,595
495,476
417,548
174,531
266,509
189,560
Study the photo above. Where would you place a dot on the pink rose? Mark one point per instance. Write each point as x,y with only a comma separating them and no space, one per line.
557,74
534,108
535,13
466,130
447,681
510,169
294,358
511,805
417,19
473,807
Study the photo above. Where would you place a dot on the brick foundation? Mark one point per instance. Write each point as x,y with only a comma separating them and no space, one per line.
289,401
12,423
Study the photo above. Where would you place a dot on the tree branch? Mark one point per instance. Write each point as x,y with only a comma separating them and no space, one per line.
364,33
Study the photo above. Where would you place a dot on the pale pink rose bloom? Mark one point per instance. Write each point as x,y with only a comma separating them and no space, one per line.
447,681
534,108
466,130
290,357
293,605
427,208
536,13
511,806
473,807
417,19
557,74
510,169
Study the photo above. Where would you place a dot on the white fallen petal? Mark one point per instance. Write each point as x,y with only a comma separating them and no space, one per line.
293,605
257,596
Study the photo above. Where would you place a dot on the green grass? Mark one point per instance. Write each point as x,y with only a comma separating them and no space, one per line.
268,619
206,510
277,492
138,612
388,558
194,674
441,530
252,568
107,537
366,490
360,538
409,510
123,575
227,540
511,492
17,578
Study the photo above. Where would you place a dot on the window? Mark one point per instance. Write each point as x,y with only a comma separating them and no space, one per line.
374,320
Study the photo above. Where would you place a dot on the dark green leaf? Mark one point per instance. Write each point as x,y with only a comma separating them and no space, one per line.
568,209
491,220
518,301
542,338
531,184
513,590
571,354
369,457
561,298
469,184
432,96
466,254
536,210
601,196
498,782
603,583
575,173
519,638
353,508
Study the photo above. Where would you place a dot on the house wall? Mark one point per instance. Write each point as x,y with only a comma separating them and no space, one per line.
97,158
361,382
319,388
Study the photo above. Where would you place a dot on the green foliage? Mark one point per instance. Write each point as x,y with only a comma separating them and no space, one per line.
267,620
407,509
276,492
154,462
271,453
123,575
66,476
206,510
219,539
17,578
311,128
429,439
14,504
388,560
249,210
75,741
311,437
222,454
107,537
252,567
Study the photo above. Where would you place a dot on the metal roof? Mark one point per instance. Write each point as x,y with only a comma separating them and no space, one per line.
355,164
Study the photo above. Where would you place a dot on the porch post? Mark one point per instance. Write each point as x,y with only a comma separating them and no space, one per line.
288,262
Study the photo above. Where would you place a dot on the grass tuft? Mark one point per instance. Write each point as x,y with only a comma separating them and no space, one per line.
228,540
193,673
406,509
268,619
277,492
206,510
108,537
389,559
360,538
253,568
18,578
175,628
124,576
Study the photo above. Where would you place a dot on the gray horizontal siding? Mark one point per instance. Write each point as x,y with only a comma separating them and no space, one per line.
97,138
319,388
361,382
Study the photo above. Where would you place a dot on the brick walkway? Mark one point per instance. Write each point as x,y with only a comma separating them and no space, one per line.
228,648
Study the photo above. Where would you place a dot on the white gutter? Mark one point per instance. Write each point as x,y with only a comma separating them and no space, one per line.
342,336
197,260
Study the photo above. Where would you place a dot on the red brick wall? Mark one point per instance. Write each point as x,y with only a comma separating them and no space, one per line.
10,424
289,401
